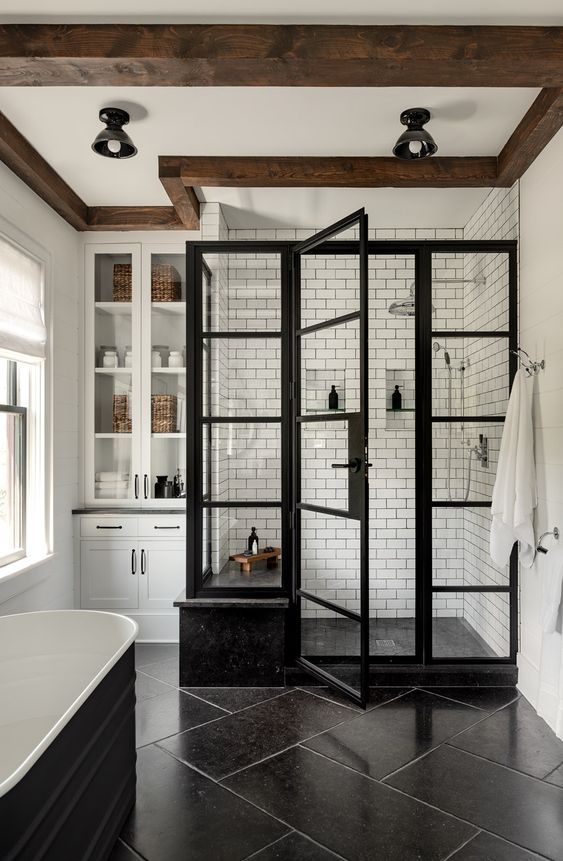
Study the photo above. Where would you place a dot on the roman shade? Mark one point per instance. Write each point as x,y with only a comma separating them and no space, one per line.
22,323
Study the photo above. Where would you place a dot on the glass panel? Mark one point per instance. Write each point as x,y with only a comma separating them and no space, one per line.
242,377
464,466
460,549
330,286
470,291
242,462
322,444
470,376
326,634
113,278
245,292
470,625
113,479
331,357
12,487
330,558
226,533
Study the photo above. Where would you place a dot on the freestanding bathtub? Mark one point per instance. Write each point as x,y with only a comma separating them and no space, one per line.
67,734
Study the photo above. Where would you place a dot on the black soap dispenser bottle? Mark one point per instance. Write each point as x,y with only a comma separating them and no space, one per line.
253,542
333,398
397,399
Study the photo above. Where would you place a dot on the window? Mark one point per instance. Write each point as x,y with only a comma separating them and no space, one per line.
23,336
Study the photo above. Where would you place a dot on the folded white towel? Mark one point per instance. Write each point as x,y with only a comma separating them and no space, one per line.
111,485
552,580
514,494
112,476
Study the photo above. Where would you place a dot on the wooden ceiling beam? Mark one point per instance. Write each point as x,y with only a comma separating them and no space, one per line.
133,218
260,55
23,159
333,172
541,122
183,198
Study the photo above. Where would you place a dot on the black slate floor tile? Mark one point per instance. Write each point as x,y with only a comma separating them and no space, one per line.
246,737
179,815
556,776
350,814
517,737
295,847
170,713
147,687
488,698
165,671
485,847
235,699
388,737
152,653
376,695
121,852
521,809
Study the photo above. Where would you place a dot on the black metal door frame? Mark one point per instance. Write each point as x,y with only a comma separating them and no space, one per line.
422,252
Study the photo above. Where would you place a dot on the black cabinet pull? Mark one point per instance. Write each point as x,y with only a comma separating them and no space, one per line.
166,527
146,485
143,562
136,486
133,562
109,527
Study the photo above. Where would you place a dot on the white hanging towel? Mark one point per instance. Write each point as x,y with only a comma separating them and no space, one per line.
551,593
514,494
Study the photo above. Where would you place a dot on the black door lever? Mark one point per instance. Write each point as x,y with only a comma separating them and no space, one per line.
354,465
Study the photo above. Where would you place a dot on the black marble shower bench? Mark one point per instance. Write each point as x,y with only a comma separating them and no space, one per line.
232,642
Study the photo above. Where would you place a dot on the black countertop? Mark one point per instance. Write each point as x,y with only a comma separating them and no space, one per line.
138,511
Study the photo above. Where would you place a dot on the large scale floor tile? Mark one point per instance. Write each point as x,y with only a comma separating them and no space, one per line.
487,698
388,737
376,695
358,818
182,815
248,736
121,852
517,737
521,809
165,671
170,713
235,699
152,653
556,776
147,687
295,847
485,847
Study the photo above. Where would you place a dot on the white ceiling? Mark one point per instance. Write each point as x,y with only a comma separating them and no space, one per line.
290,11
261,121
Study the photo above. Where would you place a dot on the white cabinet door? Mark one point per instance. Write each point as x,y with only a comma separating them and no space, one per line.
162,573
109,574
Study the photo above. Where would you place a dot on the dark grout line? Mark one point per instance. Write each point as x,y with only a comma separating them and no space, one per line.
268,846
202,700
469,705
541,780
459,848
551,772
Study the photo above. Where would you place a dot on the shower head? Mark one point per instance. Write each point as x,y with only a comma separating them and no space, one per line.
406,307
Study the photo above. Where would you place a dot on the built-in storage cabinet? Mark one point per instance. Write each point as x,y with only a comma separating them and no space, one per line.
135,565
135,375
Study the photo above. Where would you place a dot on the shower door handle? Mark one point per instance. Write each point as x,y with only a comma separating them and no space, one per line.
354,465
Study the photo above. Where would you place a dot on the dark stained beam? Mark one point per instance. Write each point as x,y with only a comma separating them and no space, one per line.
542,121
334,172
23,159
279,55
183,198
133,218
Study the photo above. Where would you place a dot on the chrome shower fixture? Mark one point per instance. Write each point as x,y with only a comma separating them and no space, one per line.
406,307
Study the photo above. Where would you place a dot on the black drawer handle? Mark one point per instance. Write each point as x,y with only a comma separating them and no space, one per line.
166,527
109,527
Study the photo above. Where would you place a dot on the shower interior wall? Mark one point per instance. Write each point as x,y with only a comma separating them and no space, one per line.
247,457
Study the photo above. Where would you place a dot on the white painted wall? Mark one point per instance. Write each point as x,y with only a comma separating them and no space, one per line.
541,328
50,585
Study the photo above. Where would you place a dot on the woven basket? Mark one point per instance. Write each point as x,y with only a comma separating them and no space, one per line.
166,283
164,410
121,420
122,282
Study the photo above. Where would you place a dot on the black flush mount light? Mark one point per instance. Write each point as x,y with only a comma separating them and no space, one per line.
415,142
113,142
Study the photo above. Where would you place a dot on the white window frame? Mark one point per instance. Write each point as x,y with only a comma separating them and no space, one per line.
39,444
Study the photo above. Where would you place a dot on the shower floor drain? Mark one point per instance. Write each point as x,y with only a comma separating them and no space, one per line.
385,644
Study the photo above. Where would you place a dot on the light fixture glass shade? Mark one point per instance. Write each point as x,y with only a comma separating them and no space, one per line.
415,142
112,141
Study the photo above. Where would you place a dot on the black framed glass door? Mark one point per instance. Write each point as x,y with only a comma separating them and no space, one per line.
330,445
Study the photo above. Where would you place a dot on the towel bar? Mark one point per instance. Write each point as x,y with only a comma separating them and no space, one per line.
539,547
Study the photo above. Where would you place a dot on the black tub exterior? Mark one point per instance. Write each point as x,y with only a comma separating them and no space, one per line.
74,800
